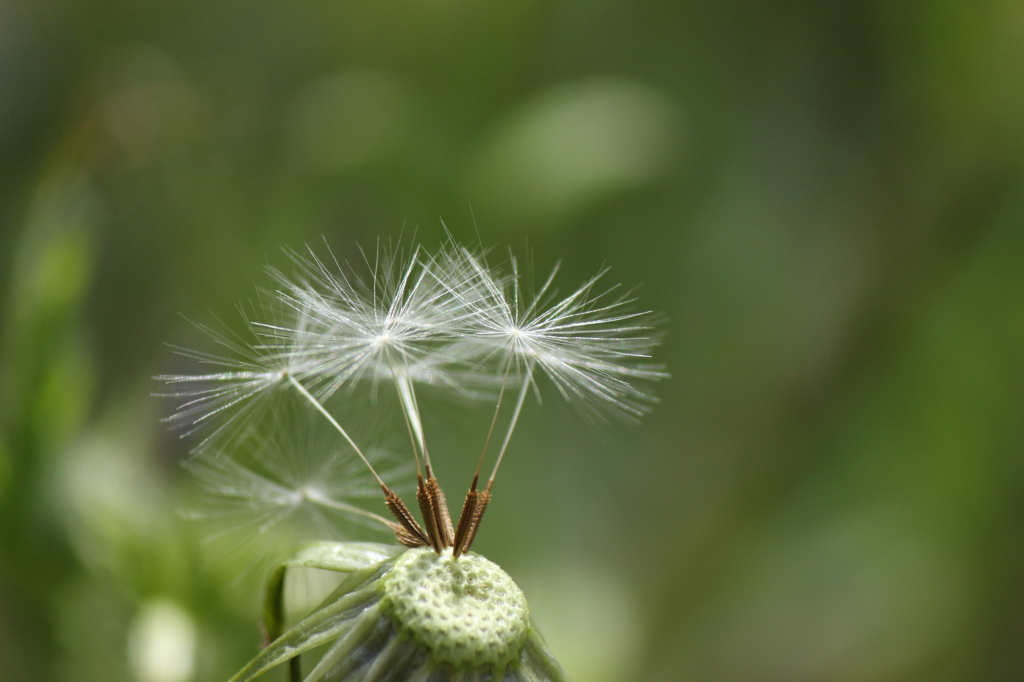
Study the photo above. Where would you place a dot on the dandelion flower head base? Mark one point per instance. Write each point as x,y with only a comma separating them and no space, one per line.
468,613
418,616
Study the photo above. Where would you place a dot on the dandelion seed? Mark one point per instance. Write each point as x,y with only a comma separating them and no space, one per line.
285,480
249,374
325,338
591,345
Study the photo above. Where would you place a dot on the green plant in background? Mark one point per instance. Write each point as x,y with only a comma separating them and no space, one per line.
321,343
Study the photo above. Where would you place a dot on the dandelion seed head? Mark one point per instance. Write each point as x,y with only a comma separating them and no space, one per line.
330,335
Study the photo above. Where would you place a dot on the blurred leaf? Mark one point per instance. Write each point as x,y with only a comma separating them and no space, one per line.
573,145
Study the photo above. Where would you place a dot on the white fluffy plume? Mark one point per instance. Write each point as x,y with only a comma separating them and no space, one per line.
447,319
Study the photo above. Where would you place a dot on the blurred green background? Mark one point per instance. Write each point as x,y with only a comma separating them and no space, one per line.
825,199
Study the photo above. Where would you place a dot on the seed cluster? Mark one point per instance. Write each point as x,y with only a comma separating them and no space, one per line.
466,611
327,337
448,320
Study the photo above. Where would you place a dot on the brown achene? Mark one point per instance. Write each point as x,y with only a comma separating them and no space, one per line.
439,533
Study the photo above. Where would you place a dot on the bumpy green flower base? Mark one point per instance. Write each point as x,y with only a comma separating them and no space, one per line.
416,617
467,612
